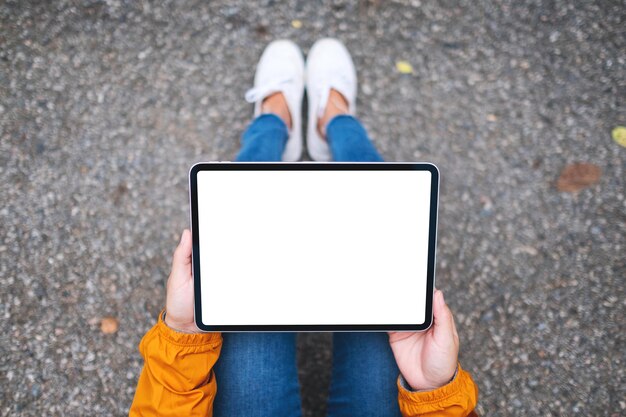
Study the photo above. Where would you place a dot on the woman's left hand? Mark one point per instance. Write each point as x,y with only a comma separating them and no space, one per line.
179,299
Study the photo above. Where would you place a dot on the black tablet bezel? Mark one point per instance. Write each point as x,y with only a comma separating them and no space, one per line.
314,166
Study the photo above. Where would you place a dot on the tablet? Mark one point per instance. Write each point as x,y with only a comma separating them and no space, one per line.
313,246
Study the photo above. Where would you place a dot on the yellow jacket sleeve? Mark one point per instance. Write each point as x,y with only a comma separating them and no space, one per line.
177,378
456,399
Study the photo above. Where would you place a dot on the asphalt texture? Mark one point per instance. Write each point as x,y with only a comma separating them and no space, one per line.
104,105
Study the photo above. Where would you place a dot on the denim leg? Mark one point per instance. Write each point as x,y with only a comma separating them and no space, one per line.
364,376
264,139
257,376
256,373
348,141
364,370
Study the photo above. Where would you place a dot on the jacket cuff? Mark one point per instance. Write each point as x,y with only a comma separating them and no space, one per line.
209,339
405,384
460,392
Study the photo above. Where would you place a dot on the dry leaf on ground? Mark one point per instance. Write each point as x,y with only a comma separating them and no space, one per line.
578,176
404,67
619,135
108,325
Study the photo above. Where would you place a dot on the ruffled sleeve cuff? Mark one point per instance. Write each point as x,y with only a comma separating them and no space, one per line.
177,378
210,339
458,397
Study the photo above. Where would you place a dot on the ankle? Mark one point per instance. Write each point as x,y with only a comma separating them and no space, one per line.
276,104
336,105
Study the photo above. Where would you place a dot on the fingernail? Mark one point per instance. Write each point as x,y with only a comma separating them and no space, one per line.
181,238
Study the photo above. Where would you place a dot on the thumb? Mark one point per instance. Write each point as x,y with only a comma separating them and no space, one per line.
181,261
444,330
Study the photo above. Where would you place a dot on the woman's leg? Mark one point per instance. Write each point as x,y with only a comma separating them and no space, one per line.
257,373
264,139
257,376
364,376
364,369
349,142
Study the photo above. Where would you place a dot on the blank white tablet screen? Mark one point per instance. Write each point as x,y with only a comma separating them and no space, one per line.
313,247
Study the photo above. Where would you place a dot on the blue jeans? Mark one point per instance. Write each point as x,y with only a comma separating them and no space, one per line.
265,139
257,373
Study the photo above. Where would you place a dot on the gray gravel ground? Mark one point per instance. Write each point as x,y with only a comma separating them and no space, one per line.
105,104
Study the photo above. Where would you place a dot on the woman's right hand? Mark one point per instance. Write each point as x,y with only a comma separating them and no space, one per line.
428,360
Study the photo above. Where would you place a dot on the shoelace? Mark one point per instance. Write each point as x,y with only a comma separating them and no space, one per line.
260,92
336,81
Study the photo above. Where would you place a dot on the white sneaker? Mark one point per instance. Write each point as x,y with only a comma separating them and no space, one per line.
281,69
328,66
